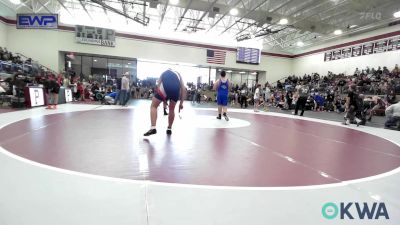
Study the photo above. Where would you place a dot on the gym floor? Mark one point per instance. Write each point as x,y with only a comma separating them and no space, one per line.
266,150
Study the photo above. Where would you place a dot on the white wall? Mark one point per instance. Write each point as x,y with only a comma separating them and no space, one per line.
235,78
3,34
262,78
315,62
351,37
32,43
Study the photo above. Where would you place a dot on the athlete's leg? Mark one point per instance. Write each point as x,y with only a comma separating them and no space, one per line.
153,116
171,115
153,111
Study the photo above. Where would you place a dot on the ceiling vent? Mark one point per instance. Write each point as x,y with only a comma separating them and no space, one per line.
153,4
213,12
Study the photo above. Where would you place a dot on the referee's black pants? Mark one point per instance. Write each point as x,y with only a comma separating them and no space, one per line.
301,103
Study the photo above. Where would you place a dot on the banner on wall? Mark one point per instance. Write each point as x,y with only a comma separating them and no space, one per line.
95,36
368,48
37,21
394,44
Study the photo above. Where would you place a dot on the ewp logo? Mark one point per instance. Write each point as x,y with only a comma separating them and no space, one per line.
364,211
47,21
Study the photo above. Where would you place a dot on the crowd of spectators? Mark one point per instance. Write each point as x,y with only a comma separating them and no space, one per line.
11,63
376,89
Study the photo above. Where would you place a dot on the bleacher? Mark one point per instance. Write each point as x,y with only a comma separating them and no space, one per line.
16,71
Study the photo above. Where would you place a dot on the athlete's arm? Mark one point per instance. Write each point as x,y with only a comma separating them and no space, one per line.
216,85
182,92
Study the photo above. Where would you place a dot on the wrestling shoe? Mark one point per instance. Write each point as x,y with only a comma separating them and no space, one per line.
150,132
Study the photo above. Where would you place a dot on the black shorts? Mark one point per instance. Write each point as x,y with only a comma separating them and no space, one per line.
55,89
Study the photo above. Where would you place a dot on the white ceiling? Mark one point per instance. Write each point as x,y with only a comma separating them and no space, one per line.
310,21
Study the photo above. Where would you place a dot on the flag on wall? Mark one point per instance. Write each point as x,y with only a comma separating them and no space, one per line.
215,56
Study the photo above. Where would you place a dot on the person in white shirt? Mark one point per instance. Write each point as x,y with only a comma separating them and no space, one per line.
393,116
123,97
257,98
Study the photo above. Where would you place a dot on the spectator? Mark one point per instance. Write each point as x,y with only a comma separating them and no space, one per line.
257,97
393,116
110,98
357,72
319,102
302,93
118,90
379,104
289,100
351,107
396,70
123,98
330,98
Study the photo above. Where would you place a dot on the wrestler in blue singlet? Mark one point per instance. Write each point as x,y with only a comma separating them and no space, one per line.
222,93
170,86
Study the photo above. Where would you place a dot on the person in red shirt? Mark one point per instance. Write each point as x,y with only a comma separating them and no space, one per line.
81,91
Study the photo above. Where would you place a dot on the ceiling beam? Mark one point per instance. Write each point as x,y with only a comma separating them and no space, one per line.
143,22
183,15
163,13
226,13
105,12
347,19
313,14
6,5
305,6
323,11
205,13
319,4
44,6
281,6
84,8
295,38
270,12
353,31
62,5
24,3
333,15
124,10
252,10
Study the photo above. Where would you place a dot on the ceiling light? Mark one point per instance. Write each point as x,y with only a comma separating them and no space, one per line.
173,2
254,73
300,44
16,2
229,71
94,60
242,72
352,26
129,63
283,21
338,32
234,12
396,14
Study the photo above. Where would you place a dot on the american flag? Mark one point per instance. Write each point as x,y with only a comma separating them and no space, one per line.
216,57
